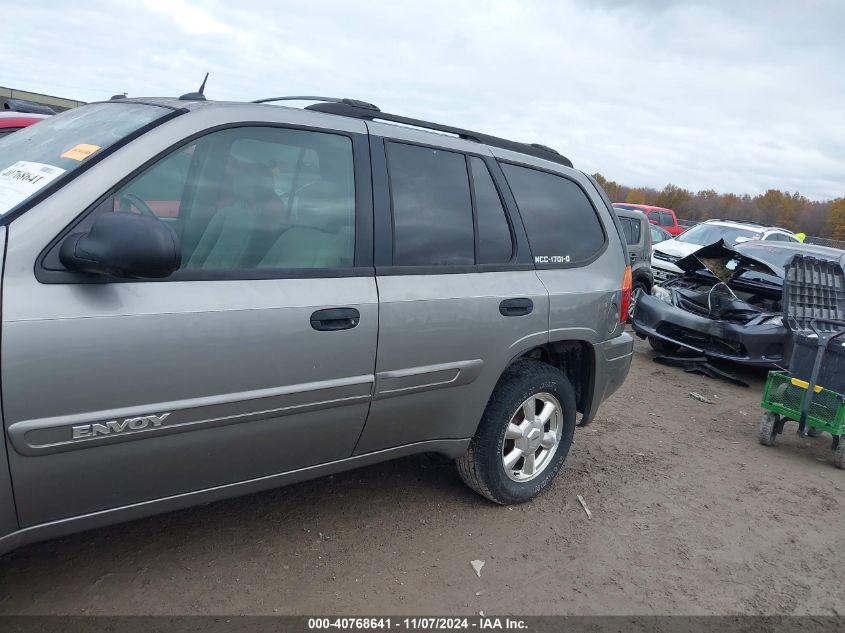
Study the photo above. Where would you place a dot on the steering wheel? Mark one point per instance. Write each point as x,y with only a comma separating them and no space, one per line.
302,188
128,200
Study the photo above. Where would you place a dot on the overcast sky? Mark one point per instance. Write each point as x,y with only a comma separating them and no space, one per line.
736,96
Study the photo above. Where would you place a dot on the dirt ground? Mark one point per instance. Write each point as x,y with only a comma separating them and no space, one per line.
691,515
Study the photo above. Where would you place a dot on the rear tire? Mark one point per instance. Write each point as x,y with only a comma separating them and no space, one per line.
500,434
662,347
768,428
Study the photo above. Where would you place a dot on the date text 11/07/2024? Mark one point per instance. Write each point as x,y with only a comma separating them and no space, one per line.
481,623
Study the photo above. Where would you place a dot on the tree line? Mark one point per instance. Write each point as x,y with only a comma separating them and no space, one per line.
776,208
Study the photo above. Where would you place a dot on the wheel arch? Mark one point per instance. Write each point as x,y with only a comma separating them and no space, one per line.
643,278
576,358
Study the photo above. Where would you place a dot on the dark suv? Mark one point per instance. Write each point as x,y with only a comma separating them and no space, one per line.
636,229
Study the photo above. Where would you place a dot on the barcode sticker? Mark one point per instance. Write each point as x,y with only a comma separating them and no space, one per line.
21,180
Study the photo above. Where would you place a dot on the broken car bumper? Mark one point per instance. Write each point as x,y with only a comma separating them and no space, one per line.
761,345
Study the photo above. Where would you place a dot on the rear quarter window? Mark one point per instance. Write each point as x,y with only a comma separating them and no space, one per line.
562,225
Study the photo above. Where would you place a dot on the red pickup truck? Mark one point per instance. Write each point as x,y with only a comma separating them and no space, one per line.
12,121
664,218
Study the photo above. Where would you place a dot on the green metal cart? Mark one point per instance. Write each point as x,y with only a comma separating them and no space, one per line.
784,398
814,313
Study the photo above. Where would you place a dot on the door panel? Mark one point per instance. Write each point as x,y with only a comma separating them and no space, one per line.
444,337
122,392
250,387
443,344
8,519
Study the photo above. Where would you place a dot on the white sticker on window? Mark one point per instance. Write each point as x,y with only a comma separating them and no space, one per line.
551,259
21,180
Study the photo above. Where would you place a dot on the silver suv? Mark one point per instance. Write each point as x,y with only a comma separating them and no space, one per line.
204,299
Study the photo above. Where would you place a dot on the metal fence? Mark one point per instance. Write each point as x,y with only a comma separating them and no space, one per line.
819,241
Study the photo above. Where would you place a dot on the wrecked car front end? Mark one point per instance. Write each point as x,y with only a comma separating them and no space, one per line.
725,305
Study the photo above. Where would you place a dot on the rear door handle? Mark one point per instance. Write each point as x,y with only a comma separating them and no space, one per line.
333,319
516,307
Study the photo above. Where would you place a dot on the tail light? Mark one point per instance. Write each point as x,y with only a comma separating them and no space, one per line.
627,285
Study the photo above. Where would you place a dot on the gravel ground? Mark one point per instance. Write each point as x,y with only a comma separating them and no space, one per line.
690,516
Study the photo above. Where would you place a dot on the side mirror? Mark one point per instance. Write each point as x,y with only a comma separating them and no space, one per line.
123,245
652,221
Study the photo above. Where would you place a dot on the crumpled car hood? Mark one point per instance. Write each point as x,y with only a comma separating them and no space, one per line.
724,262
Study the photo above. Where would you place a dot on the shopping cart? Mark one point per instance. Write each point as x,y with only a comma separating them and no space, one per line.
811,392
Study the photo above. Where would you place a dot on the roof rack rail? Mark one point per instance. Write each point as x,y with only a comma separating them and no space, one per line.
749,222
351,102
356,109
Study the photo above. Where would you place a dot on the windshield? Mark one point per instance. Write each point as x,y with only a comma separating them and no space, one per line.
33,157
704,234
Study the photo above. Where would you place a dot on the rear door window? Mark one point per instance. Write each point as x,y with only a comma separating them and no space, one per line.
563,227
432,207
495,245
780,237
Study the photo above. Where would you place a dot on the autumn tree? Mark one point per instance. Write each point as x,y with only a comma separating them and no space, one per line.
790,210
636,196
768,207
614,190
836,220
673,197
774,207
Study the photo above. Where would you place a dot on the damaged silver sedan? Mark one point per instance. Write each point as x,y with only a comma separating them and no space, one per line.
726,304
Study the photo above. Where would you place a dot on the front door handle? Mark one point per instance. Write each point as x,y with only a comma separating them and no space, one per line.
516,307
333,319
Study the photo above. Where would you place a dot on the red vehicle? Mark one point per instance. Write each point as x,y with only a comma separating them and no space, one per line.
664,218
13,121
18,113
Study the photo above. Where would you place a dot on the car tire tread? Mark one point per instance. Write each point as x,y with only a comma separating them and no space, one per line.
480,466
